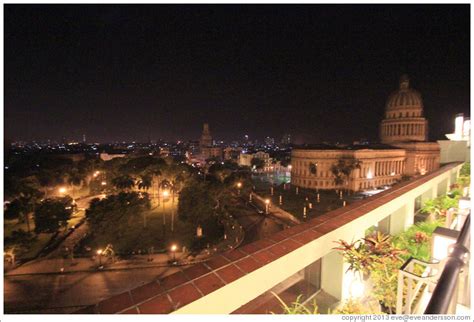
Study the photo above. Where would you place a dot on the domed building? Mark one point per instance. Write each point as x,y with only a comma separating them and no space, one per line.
405,127
404,119
404,150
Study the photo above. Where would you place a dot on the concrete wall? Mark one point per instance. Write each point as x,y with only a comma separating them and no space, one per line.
454,151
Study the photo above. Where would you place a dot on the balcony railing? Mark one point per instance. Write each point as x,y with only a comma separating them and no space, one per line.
444,295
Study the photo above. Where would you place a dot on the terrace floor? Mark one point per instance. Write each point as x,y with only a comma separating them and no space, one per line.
288,291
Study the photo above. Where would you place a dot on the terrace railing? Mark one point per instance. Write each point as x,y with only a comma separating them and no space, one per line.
445,295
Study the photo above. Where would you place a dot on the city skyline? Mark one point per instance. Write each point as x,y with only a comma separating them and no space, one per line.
256,70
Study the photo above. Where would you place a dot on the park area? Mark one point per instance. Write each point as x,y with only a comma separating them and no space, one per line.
295,200
145,231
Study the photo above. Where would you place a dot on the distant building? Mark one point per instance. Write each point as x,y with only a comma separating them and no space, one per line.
206,138
286,139
232,153
269,141
404,150
458,146
245,159
211,152
207,147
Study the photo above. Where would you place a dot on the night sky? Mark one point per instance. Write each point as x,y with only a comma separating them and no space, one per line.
319,72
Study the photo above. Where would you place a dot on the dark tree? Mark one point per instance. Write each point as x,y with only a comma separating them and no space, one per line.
196,203
257,163
115,214
343,169
51,214
145,182
14,210
124,182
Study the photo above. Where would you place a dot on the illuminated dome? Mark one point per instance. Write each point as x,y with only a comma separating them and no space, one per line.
404,119
404,98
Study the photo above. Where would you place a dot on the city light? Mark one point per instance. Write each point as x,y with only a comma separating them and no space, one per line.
239,185
62,190
103,183
99,252
165,194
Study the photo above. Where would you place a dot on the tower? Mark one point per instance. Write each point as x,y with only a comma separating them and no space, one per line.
206,138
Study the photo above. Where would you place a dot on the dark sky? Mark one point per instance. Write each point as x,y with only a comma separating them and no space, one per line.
319,72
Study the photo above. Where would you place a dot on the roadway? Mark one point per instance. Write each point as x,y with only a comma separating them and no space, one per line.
66,293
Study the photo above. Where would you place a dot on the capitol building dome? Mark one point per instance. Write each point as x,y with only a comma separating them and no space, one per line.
404,98
404,119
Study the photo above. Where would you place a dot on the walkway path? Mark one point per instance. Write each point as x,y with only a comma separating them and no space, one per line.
277,211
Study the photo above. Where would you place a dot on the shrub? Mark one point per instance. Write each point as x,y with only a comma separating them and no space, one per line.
352,306
297,307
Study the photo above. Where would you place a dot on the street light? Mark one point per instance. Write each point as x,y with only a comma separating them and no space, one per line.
103,183
62,190
267,205
99,252
174,248
239,186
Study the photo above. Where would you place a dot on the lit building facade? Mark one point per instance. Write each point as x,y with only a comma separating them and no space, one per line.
404,150
311,168
245,159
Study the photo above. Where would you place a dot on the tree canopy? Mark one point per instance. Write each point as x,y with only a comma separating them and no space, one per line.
51,214
343,169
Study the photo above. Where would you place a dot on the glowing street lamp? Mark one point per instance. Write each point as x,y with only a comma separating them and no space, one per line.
103,183
62,190
100,252
174,248
267,205
239,186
